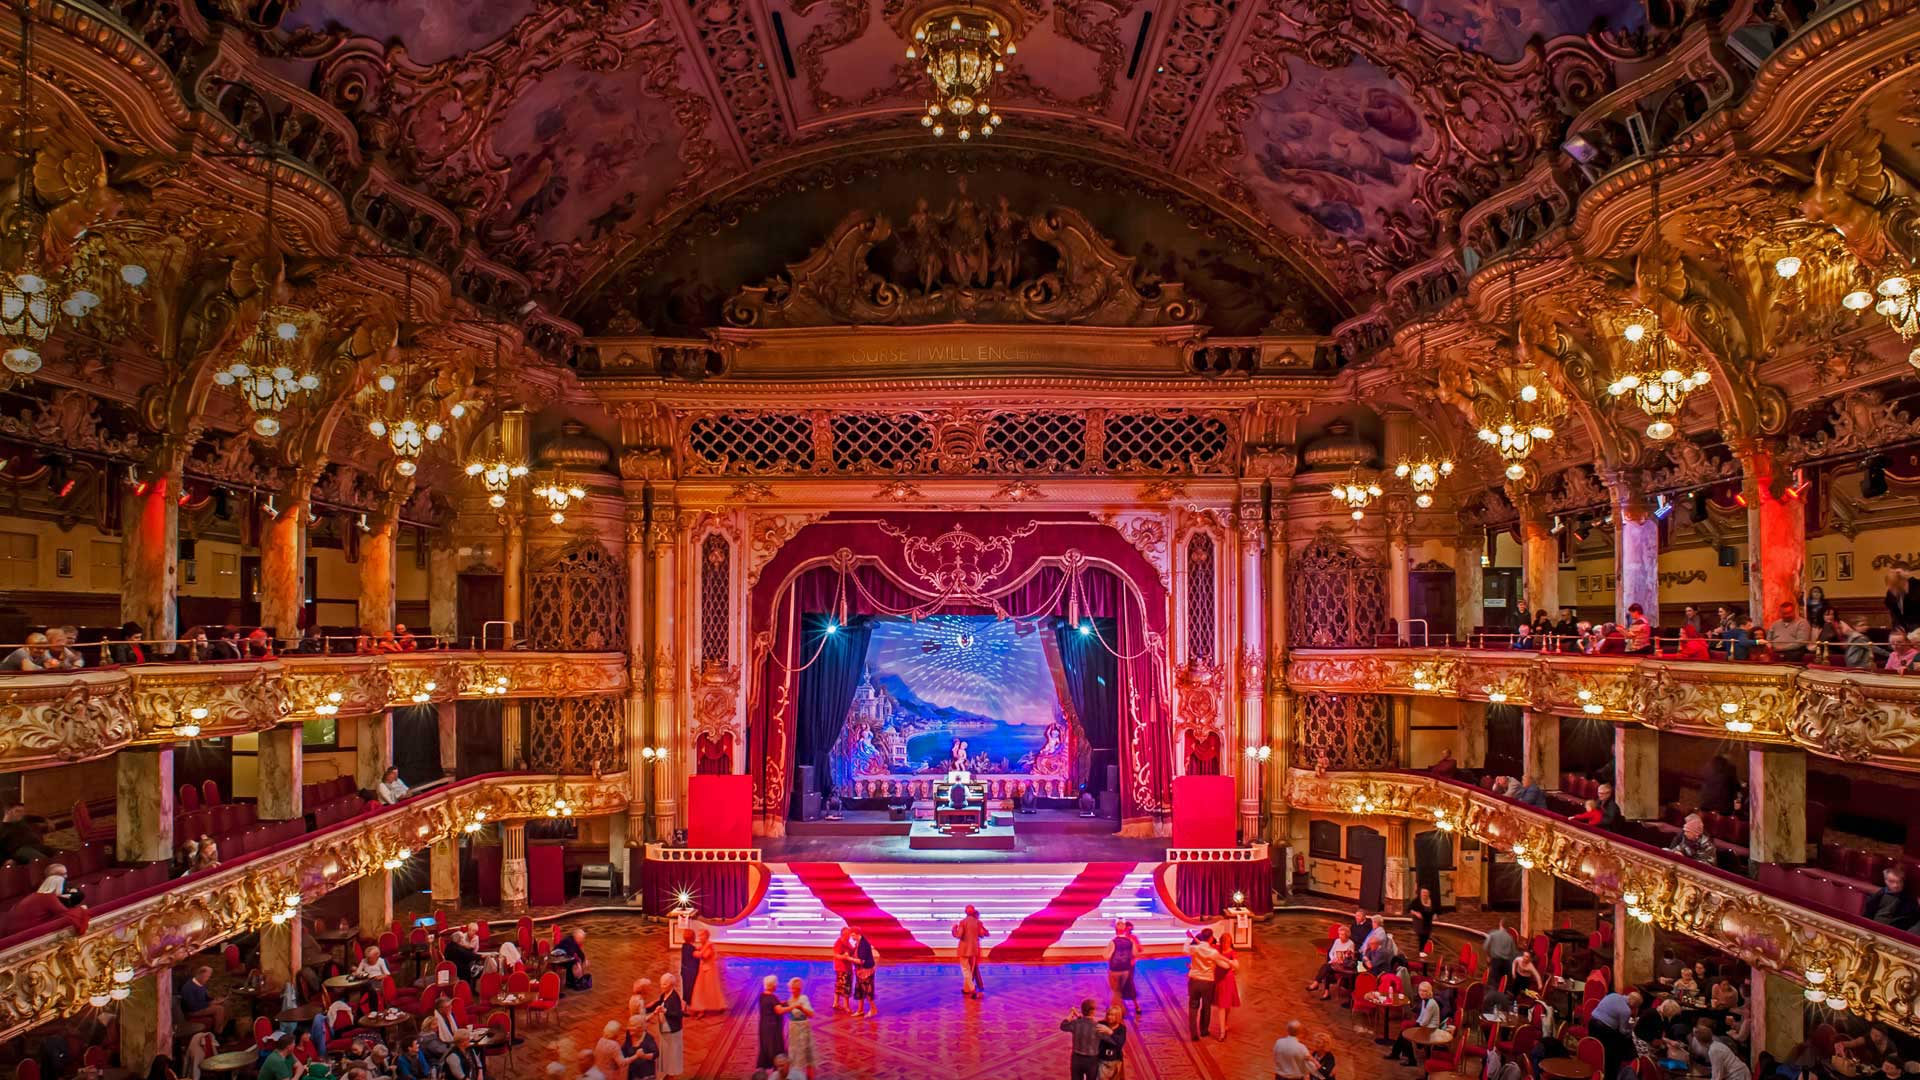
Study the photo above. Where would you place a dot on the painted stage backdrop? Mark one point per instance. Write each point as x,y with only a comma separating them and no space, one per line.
955,691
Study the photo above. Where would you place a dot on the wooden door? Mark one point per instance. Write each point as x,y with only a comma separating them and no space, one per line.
1430,597
1369,849
482,599
1501,590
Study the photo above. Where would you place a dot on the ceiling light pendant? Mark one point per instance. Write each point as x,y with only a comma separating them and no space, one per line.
557,494
406,421
1356,493
496,473
270,369
962,52
1423,473
1653,379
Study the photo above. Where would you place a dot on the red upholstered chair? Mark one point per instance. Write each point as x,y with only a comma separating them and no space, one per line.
232,955
490,984
209,793
28,1069
460,1011
523,931
1523,1041
389,947
189,799
1364,984
519,982
1590,1051
262,1028
549,995
88,829
502,1027
423,1008
95,1058
1469,961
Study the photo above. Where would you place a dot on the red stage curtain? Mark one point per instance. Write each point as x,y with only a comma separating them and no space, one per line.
1205,890
713,754
719,889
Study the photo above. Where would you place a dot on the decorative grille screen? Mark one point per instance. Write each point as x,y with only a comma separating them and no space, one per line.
1201,626
1349,730
1336,597
577,599
716,570
577,736
1174,442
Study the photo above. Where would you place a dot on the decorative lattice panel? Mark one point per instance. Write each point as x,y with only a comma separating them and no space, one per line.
577,736
1336,596
1171,443
1348,731
751,443
577,599
1038,442
880,442
716,571
1202,592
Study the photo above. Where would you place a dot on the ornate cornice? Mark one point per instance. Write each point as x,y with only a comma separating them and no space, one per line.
56,975
1869,970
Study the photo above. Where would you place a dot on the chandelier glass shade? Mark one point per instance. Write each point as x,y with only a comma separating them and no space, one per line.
1893,299
557,494
963,51
407,423
1518,432
1356,493
1654,381
270,370
1423,473
496,473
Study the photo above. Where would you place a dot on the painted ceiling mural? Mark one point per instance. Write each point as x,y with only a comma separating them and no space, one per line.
1341,138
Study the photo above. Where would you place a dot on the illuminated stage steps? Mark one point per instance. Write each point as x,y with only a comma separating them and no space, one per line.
927,901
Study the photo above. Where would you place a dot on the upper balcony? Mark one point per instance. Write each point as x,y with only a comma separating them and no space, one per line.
1849,715
56,718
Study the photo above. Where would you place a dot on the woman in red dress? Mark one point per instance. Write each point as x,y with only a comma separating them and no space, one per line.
1226,989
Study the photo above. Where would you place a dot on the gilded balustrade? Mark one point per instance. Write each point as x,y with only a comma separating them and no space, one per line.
1850,715
58,718
1878,977
61,973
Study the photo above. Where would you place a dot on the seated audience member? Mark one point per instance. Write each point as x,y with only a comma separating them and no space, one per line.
63,651
466,960
385,642
259,644
1693,841
51,901
1523,637
391,789
193,645
23,836
29,657
372,965
1530,793
199,1003
1589,816
1341,963
1446,766
1693,645
570,953
1613,640
206,854
1610,815
1890,903
1789,635
1903,653
404,638
1566,629
1638,631
1685,984
1741,639
131,648
957,797
310,643
411,1062
1429,1016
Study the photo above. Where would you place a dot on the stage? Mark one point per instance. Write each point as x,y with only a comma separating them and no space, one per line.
1045,836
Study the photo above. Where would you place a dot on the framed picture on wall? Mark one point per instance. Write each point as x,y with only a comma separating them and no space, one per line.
1746,572
1843,566
63,562
189,572
1817,568
1580,583
1610,581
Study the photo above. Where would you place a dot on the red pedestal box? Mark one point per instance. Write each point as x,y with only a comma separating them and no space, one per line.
1203,811
720,811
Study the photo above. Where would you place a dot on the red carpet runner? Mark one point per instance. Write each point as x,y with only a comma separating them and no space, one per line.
1038,931
842,896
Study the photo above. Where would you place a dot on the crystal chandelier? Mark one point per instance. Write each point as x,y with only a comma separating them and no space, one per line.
1356,494
558,495
496,472
1897,303
1423,473
1516,436
408,423
963,50
270,370
35,292
1656,384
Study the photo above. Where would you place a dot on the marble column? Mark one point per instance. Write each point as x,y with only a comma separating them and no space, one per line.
379,550
376,902
1778,1008
280,953
664,671
282,770
1469,584
1776,532
443,589
1777,793
444,872
1636,550
373,747
1536,904
150,548
146,1021
1632,950
1540,747
1279,698
513,866
639,811
1472,750
143,807
1540,557
283,558
1400,716
513,575
513,736
1253,658
446,716
1399,869
1636,772
1399,566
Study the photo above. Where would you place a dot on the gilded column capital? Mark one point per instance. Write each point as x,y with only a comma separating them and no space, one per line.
663,528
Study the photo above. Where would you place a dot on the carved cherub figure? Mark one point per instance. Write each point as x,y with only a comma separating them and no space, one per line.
1851,184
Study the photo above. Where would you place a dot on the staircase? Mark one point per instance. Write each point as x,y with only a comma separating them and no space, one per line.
1072,922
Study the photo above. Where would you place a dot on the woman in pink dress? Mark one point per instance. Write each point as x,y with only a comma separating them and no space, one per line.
1226,990
708,997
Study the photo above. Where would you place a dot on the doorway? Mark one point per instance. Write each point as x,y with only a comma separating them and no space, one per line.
1369,849
1430,600
1500,589
482,599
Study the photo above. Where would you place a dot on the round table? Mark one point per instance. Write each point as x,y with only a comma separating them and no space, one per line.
1389,1008
381,1021
1566,1069
346,982
231,1061
1425,1039
299,1014
511,1002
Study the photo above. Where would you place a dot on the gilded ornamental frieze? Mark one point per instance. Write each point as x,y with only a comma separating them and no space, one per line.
1850,715
1872,974
59,974
54,719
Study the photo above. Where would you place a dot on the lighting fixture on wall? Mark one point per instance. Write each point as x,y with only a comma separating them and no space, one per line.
1356,493
190,727
963,49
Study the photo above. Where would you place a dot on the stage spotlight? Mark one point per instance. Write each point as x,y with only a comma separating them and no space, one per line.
1085,629
832,627
1662,508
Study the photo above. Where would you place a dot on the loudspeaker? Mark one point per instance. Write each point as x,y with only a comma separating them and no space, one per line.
1113,779
1110,803
803,778
1729,555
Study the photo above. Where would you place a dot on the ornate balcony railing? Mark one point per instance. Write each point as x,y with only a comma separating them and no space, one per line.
1853,716
55,718
1866,970
60,973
